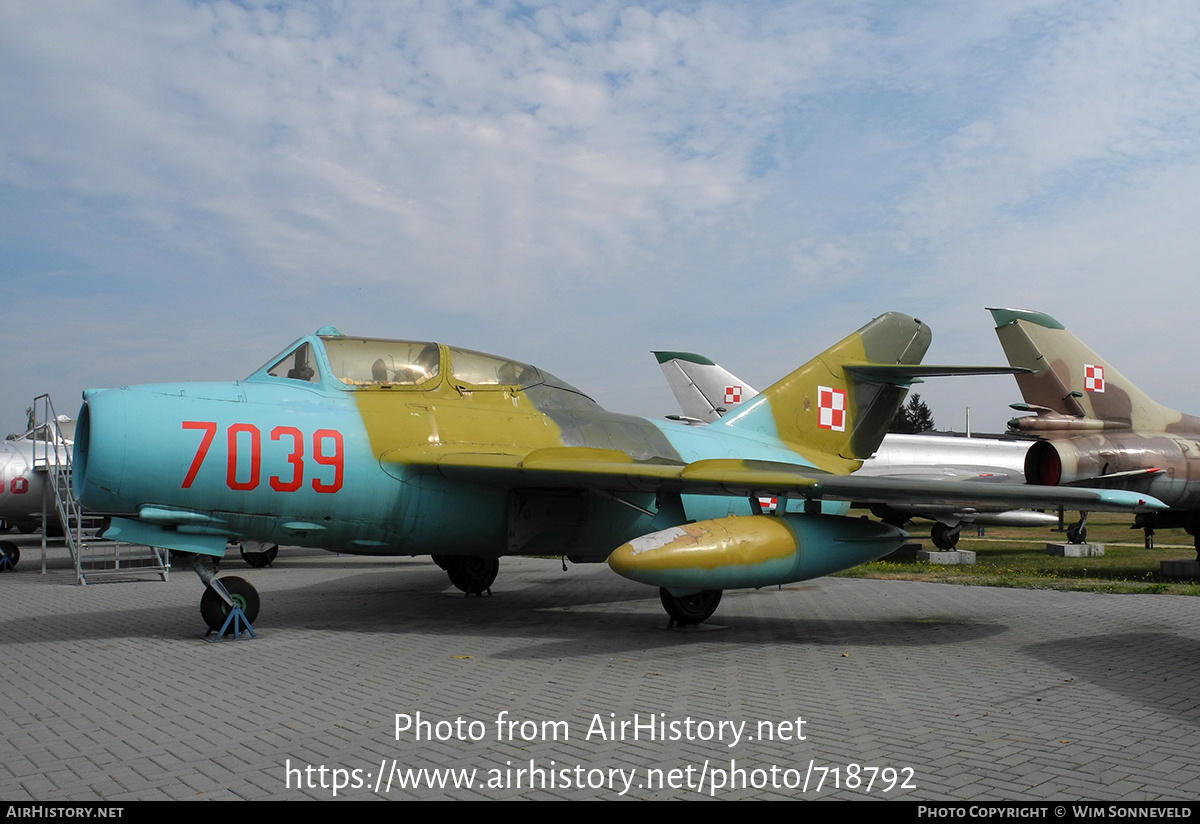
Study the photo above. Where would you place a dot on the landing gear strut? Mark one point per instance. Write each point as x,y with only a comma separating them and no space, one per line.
945,537
473,574
690,609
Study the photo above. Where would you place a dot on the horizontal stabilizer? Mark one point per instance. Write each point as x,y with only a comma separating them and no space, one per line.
906,374
1102,481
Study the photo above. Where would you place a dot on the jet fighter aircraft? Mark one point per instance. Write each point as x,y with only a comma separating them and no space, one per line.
384,447
22,489
1097,428
706,391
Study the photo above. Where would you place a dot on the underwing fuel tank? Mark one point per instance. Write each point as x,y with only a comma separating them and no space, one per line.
753,551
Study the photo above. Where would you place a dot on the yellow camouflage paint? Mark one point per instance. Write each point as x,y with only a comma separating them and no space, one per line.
713,544
837,440
489,419
796,421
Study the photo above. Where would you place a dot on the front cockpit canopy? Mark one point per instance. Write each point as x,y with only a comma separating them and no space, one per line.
297,365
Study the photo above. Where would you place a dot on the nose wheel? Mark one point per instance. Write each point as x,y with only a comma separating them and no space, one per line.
1077,532
945,537
229,605
10,555
216,611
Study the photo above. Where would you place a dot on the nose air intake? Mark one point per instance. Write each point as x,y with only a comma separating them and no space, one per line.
99,455
80,450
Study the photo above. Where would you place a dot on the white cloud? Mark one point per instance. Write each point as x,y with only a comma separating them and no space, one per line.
474,142
1107,89
752,180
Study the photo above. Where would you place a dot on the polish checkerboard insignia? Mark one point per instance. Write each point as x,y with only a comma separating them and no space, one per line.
831,408
733,394
1093,378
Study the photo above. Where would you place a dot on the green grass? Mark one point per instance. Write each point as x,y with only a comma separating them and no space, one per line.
1012,557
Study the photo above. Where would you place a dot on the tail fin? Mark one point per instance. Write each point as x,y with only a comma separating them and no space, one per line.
705,390
1070,386
835,409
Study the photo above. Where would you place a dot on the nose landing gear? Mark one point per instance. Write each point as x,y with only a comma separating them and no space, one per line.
229,605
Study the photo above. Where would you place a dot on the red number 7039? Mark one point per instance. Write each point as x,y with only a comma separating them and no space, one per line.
243,456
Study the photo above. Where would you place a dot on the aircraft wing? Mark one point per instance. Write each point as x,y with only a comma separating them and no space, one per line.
614,471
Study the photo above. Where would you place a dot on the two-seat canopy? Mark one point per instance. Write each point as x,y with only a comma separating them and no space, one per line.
373,362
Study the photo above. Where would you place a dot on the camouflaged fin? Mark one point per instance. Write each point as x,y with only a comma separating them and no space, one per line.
1070,386
836,416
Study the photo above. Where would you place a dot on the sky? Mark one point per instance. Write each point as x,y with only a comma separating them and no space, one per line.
187,187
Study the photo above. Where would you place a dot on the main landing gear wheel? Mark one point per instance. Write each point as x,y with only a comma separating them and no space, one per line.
945,537
690,609
259,560
1077,533
214,609
472,574
10,555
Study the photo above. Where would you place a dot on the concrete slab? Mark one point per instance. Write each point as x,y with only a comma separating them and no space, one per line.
568,679
1061,550
1184,568
904,554
950,557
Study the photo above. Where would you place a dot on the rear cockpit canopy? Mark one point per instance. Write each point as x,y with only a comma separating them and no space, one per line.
369,362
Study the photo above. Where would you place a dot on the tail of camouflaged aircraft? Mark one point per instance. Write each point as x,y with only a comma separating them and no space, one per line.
1096,427
1071,387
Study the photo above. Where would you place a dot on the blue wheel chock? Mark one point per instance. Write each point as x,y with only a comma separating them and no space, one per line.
237,619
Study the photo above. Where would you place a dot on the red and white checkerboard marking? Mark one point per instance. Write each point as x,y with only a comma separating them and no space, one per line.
768,504
1093,378
831,408
733,394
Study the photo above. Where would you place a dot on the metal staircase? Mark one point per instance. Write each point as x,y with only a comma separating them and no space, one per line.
92,556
